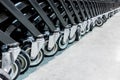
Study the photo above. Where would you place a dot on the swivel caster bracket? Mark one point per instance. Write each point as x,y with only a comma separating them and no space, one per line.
73,30
53,39
36,47
66,33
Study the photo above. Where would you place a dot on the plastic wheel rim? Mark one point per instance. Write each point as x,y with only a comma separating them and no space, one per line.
71,40
51,52
60,43
14,71
83,32
23,63
99,23
37,60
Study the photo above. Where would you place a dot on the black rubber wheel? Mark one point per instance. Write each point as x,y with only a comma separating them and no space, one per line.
52,52
15,70
71,40
24,60
99,22
83,32
4,75
91,26
39,58
104,18
61,44
78,35
110,15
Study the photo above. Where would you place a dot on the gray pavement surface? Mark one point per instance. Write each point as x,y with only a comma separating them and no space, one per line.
95,57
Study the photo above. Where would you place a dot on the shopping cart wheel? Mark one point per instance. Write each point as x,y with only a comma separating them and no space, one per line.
24,60
83,32
88,28
99,22
104,18
110,14
78,34
39,58
91,26
4,75
15,70
61,44
50,52
71,40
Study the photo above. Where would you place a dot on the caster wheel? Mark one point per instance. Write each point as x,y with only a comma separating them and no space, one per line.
15,70
4,75
78,35
109,15
36,61
88,29
24,61
61,44
52,52
92,25
99,22
91,28
71,40
83,32
104,18
39,58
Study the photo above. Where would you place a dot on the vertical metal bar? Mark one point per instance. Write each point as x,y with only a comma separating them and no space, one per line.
67,12
79,5
43,15
93,8
86,10
51,2
90,10
75,11
10,6
96,8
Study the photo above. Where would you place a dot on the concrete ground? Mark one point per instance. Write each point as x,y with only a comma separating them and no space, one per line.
95,57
